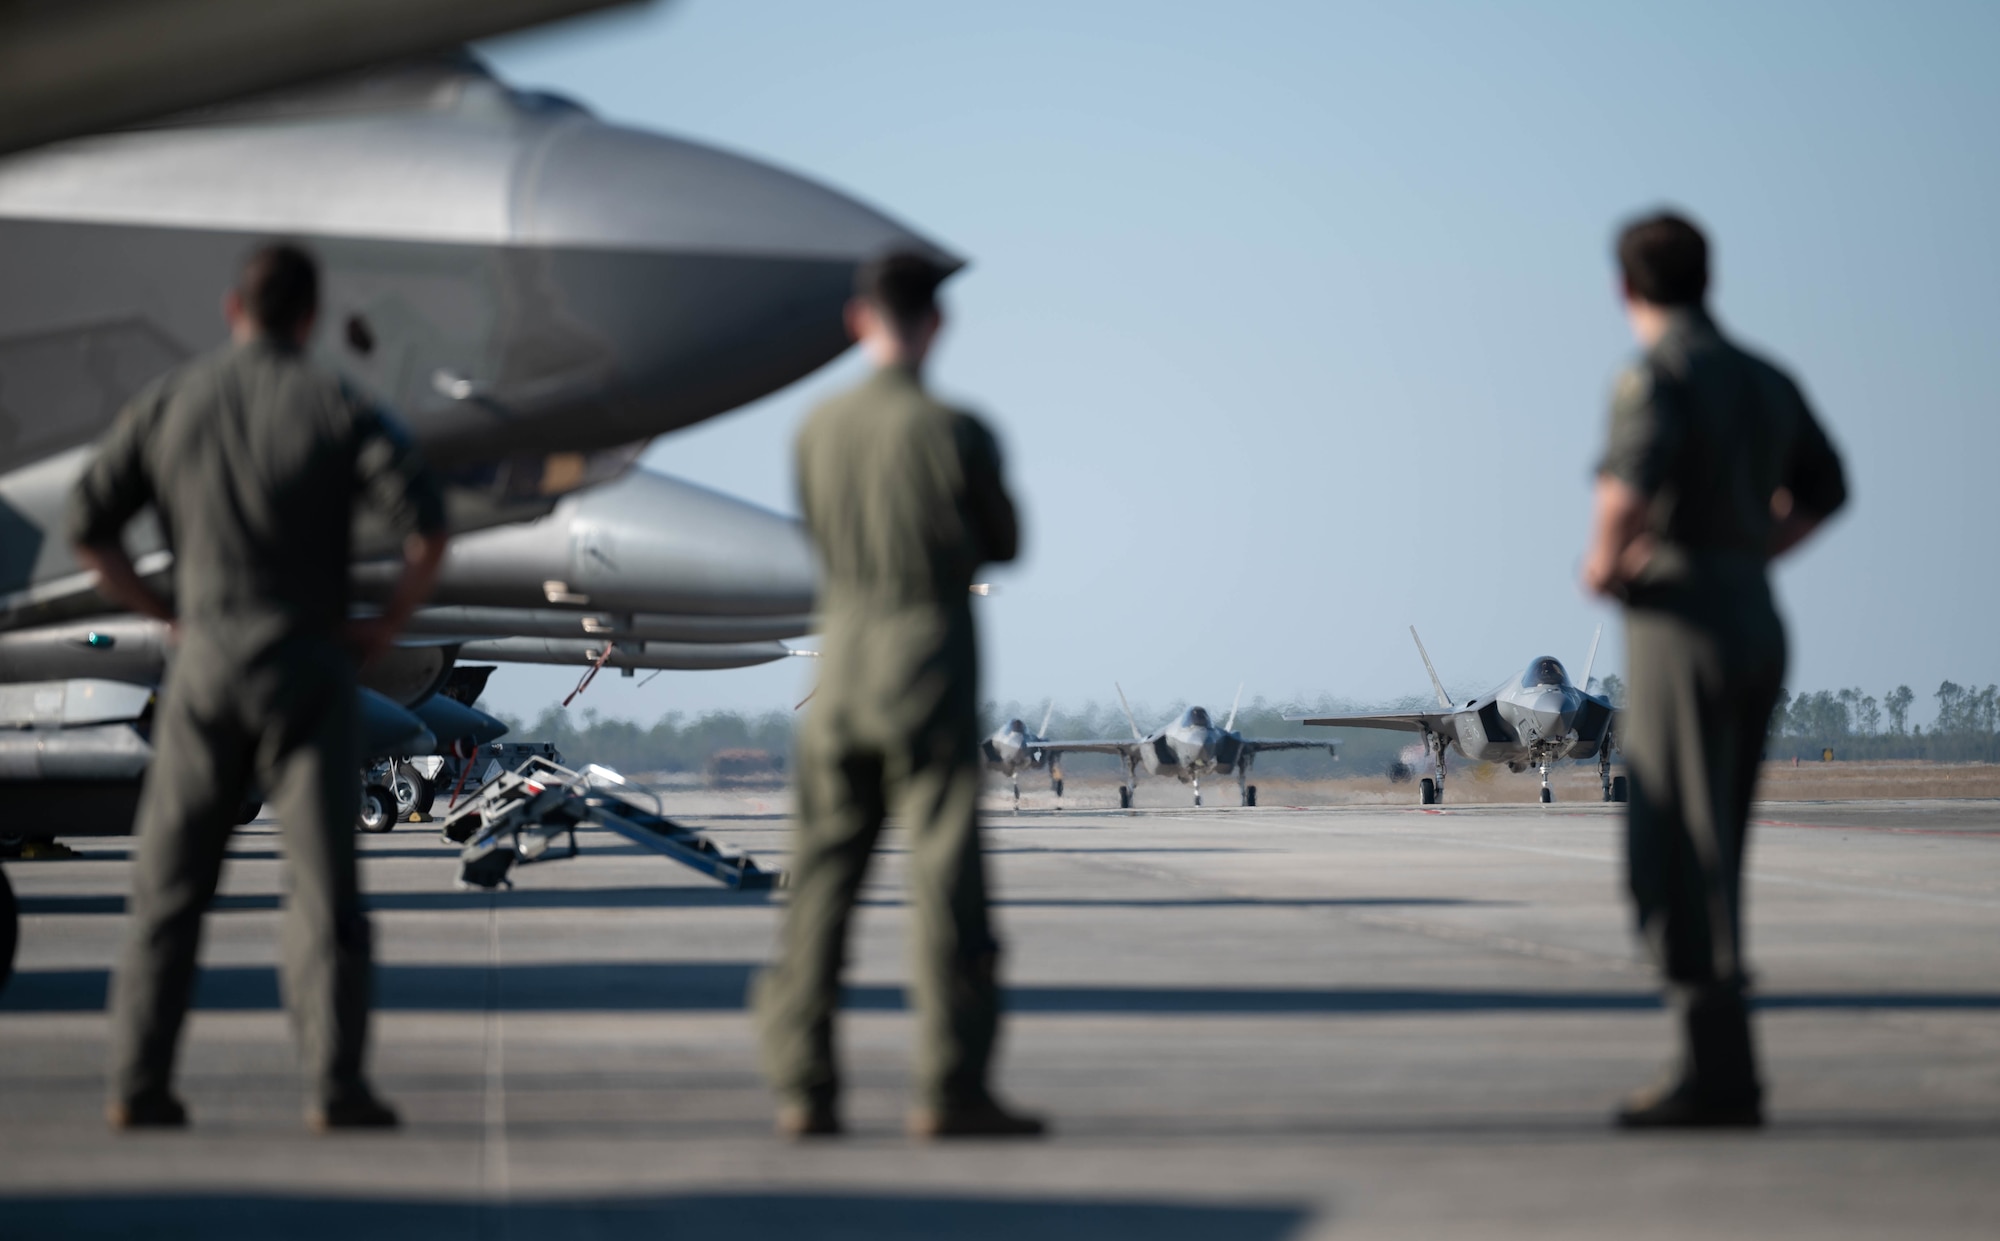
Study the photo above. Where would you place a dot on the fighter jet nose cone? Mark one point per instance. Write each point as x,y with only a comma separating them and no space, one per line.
673,281
602,185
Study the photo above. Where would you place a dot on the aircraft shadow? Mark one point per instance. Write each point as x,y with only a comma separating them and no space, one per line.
720,986
748,1217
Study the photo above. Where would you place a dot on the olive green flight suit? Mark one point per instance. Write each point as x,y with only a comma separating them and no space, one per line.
903,500
1708,433
255,461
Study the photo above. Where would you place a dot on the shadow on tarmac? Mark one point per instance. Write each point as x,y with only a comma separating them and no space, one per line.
746,1216
407,902
720,986
705,898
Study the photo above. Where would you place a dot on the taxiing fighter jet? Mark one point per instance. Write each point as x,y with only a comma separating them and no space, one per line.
1013,750
1534,721
1187,748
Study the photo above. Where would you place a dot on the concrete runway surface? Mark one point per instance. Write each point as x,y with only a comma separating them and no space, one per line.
1246,1024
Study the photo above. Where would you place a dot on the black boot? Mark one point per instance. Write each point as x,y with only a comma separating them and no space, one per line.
149,1110
352,1109
1717,1085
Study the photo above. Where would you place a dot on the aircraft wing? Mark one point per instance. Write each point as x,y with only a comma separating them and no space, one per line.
81,66
1087,747
1394,721
1288,743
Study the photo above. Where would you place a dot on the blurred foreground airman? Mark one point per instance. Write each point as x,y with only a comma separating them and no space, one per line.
903,499
1715,466
254,459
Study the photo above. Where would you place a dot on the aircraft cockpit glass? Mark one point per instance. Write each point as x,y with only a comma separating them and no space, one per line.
1197,717
1016,726
1544,671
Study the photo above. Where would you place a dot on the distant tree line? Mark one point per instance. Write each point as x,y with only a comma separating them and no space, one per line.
674,742
1854,724
681,743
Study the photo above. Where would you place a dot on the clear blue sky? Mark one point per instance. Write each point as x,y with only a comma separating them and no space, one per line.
1297,321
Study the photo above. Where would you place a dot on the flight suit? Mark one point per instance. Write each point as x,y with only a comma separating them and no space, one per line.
903,500
255,461
1708,433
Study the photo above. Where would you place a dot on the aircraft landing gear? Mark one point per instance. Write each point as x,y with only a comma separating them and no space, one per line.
378,810
1547,795
414,794
1197,790
1243,785
1017,794
1124,797
1431,790
1615,787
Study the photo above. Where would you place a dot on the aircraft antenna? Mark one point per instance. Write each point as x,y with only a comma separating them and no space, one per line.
1590,660
1136,734
1444,699
1231,725
1046,717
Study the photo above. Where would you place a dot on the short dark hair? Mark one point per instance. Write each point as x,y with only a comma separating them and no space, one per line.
279,287
1664,260
902,284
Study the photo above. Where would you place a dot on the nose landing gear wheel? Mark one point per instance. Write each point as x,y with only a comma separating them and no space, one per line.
378,810
414,794
1547,796
1249,794
1619,789
1124,797
1427,791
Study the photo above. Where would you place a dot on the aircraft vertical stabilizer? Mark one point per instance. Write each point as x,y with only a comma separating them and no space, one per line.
1444,699
1590,660
1136,734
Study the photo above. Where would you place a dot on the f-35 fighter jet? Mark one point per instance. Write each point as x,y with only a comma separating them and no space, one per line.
1531,722
1187,748
1013,750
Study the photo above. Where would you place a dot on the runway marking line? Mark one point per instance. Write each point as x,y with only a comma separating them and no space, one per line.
1885,831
